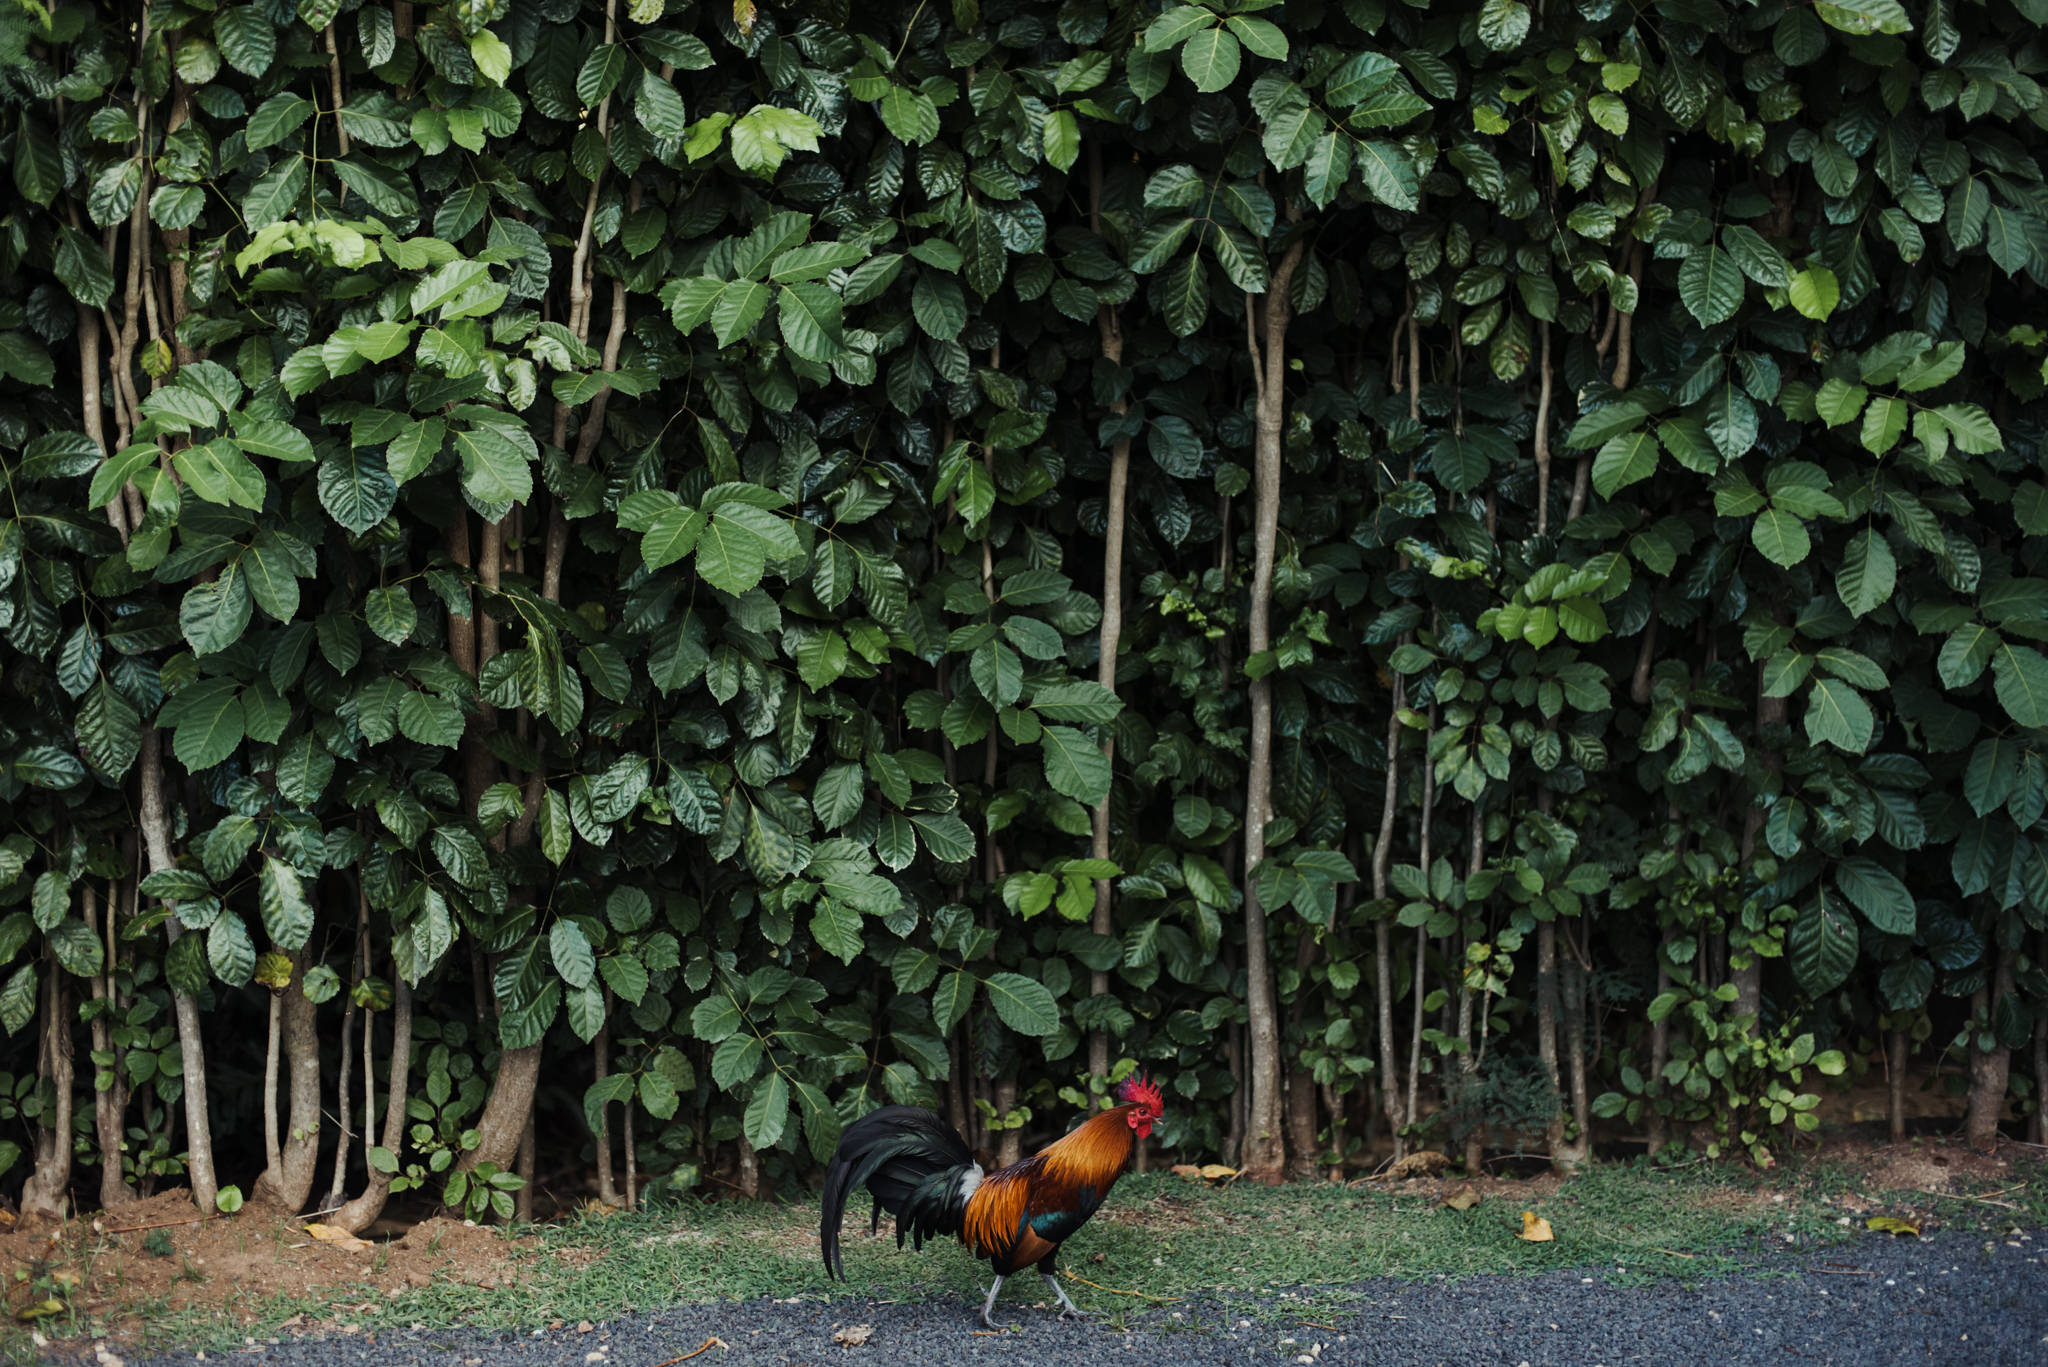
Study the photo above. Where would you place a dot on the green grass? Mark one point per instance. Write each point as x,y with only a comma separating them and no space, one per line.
1165,1245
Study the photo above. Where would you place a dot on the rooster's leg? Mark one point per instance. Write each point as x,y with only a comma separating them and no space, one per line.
990,1304
1068,1310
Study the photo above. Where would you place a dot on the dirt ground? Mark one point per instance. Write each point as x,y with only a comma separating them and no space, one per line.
159,1256
135,1265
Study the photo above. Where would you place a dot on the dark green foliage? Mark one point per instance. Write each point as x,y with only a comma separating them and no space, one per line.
624,494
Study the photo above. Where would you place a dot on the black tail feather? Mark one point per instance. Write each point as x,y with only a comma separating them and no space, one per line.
912,1163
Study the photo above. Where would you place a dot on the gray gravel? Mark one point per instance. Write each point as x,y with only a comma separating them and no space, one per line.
1949,1299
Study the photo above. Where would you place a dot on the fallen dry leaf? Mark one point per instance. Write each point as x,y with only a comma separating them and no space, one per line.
40,1310
1464,1198
1217,1172
1187,1170
1891,1224
1535,1228
1421,1163
854,1335
340,1238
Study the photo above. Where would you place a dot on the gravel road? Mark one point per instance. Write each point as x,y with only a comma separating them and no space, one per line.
1951,1299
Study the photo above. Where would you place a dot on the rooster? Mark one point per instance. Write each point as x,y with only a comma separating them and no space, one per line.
920,1171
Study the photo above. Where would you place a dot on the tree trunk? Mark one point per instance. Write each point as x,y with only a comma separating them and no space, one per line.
47,1188
289,1179
1383,926
1233,1055
1989,1068
1660,1054
1111,633
110,1104
1010,1148
601,1061
749,1175
1574,980
504,1119
156,836
1302,1146
1265,1145
359,1214
526,1165
1895,1091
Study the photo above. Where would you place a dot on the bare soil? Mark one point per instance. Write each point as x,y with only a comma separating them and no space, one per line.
160,1256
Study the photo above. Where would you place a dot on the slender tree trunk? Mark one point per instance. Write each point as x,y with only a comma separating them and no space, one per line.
1660,1054
526,1165
749,1174
1895,1090
1383,926
48,1187
359,1214
273,1049
289,1179
338,1186
1574,979
1989,1068
632,1162
1110,327
1302,1127
1010,1148
1265,1143
1422,931
601,1061
505,1114
156,837
1233,1055
110,1103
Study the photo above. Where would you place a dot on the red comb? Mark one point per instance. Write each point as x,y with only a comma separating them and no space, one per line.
1142,1090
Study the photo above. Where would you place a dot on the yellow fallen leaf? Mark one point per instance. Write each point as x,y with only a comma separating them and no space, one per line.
1891,1224
40,1310
1188,1171
339,1237
1464,1198
1535,1228
1216,1172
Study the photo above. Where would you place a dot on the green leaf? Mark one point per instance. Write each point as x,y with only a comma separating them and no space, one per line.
219,473
1864,16
660,108
231,952
909,114
2020,677
1624,460
1868,575
389,612
1024,1004
951,998
287,914
569,951
1211,59
429,720
767,1112
1758,259
1075,766
355,488
1389,174
1821,945
1710,284
246,38
496,462
1780,537
1815,292
1877,892
214,615
1838,715
208,718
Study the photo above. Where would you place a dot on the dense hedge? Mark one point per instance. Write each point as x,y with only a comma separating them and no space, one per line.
1441,570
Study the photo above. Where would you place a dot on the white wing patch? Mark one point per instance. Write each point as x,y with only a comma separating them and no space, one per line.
970,1182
